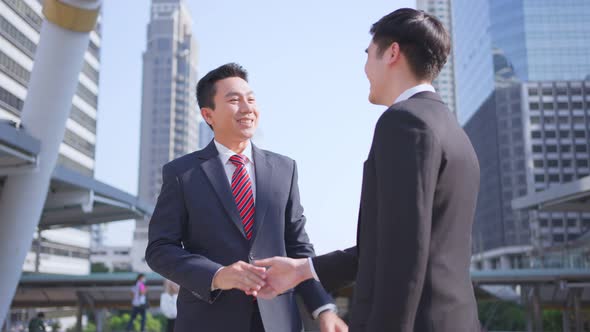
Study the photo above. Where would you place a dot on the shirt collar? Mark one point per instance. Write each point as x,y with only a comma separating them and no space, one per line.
414,90
225,153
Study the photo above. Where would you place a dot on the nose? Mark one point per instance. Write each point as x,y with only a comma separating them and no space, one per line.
247,107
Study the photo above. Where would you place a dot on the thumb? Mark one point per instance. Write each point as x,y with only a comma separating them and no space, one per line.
265,262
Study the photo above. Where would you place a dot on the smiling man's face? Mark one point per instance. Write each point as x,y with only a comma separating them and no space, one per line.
235,116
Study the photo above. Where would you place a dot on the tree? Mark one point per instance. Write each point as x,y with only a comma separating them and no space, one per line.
98,268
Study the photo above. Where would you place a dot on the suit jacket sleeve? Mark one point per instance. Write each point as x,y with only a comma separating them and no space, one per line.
298,246
407,160
165,253
337,269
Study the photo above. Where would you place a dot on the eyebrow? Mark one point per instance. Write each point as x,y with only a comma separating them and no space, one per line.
234,93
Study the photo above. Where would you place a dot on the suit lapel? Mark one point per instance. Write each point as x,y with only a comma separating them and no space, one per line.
215,172
263,170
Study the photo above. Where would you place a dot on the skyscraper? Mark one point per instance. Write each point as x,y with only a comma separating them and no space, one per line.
169,127
529,136
520,70
445,82
205,134
541,40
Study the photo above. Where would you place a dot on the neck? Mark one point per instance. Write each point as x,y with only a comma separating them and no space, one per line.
402,82
235,146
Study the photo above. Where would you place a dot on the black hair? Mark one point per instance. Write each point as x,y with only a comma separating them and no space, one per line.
422,38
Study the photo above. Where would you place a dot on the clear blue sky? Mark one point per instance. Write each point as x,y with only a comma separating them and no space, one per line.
305,60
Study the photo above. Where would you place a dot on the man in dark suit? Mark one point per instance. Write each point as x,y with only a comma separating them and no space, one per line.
224,206
420,184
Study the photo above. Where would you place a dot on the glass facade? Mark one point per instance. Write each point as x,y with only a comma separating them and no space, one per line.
474,71
541,40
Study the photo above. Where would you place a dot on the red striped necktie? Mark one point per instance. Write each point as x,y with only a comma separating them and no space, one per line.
241,187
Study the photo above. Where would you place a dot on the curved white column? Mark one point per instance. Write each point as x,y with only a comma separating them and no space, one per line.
58,62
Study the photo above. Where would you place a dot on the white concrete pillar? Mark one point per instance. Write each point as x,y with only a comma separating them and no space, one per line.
58,61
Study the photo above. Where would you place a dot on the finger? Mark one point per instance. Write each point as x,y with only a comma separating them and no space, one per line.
267,293
249,281
255,278
243,286
265,262
260,271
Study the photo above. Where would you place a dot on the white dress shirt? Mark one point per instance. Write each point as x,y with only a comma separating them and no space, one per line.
414,90
229,167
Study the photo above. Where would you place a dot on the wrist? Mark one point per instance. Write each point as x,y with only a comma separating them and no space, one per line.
326,313
303,269
215,282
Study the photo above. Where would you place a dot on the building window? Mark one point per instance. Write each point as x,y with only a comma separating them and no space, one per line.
10,102
571,222
17,38
14,70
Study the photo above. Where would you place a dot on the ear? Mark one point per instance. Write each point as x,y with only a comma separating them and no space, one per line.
392,53
206,114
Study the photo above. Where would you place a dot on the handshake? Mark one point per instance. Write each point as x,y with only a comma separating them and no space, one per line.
264,278
270,277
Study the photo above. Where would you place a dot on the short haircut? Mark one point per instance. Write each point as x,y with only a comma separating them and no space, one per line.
206,86
422,38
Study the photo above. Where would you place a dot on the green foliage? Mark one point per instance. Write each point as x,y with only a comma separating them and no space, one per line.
98,268
503,316
552,321
119,323
508,316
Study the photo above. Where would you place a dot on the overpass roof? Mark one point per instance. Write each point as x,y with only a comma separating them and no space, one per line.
572,196
73,199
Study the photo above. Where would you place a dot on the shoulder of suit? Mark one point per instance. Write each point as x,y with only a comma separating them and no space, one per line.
400,116
276,157
181,164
